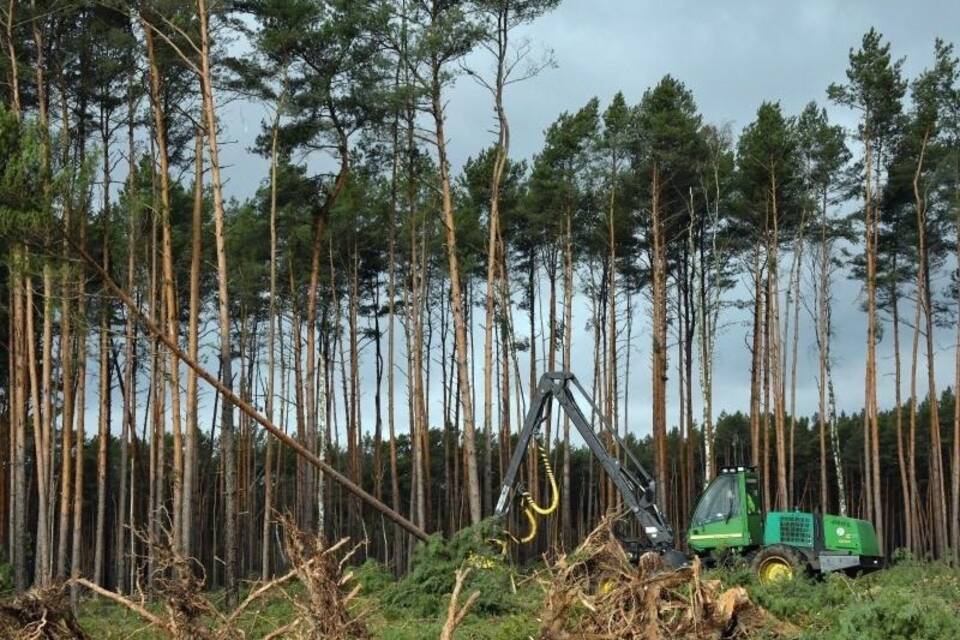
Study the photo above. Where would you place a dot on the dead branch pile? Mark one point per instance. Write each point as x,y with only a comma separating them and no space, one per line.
596,592
40,614
177,586
324,608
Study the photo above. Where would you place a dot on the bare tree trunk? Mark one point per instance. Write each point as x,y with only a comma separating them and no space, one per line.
103,435
44,444
955,465
193,430
128,430
765,419
45,452
567,364
171,321
709,306
937,489
156,400
774,351
391,330
755,361
912,437
870,409
459,314
908,511
822,301
611,381
265,545
9,23
659,269
66,465
75,555
415,367
41,579
19,446
226,421
795,278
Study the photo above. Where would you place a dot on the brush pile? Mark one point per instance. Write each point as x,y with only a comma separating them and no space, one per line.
178,608
596,592
324,608
40,614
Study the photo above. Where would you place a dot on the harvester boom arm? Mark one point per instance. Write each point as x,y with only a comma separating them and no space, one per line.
634,483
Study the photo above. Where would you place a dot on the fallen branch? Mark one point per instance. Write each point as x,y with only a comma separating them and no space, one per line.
455,614
240,403
282,631
122,601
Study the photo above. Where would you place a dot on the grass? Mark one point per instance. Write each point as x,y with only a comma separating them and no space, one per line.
910,600
915,600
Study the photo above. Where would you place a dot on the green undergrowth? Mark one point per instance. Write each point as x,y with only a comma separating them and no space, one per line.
425,590
910,600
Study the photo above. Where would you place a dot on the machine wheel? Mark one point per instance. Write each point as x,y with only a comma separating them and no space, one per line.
777,563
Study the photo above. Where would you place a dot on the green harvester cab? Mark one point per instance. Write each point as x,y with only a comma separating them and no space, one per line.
780,544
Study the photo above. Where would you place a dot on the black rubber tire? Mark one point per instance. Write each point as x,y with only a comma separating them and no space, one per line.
789,555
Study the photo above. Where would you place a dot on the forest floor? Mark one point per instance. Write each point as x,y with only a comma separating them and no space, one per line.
594,591
911,599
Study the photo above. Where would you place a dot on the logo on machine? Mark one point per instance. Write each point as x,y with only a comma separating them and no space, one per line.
841,531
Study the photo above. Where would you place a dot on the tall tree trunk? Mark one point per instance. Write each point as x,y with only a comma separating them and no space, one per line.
567,364
459,313
34,402
955,464
501,151
870,409
659,274
103,438
192,439
765,418
912,437
268,488
170,320
66,364
103,434
9,23
709,304
908,511
775,351
822,277
937,489
391,329
226,421
795,287
81,412
44,445
128,430
755,360
611,381
19,446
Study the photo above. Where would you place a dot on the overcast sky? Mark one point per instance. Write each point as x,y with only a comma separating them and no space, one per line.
732,55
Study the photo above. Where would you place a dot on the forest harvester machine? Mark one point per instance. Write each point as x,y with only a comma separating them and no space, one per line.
728,519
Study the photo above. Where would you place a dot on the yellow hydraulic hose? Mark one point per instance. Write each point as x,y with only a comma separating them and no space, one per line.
532,521
531,508
554,491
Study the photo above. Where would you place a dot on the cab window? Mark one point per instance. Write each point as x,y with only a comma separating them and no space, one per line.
753,495
719,503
